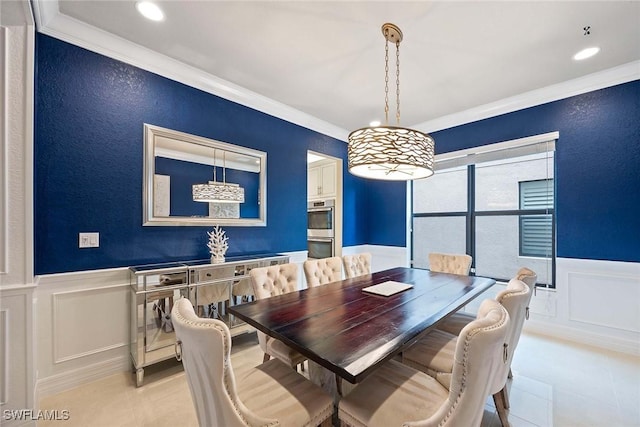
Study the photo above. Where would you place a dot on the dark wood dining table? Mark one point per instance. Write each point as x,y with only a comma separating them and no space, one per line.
351,332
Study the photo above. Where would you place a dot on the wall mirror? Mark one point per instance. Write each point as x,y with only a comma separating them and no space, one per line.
175,161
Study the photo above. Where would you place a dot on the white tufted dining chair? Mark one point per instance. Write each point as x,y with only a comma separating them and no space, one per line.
433,353
223,400
454,323
356,265
398,395
530,278
450,263
268,282
322,271
212,297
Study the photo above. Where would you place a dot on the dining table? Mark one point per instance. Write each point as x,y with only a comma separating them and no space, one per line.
350,331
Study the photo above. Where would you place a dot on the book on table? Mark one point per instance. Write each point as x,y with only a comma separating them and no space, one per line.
387,288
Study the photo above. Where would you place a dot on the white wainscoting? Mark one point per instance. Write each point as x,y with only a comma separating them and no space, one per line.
16,349
82,326
82,321
585,289
94,309
596,303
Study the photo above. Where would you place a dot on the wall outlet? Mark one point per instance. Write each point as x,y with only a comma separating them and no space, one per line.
89,240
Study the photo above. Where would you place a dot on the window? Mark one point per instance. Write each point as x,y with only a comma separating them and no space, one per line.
536,238
494,203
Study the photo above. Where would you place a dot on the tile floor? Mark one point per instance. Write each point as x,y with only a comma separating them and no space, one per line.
555,383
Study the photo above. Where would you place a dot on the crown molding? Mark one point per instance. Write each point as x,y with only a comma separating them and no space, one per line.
602,79
51,22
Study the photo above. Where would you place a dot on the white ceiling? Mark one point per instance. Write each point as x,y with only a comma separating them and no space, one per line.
325,59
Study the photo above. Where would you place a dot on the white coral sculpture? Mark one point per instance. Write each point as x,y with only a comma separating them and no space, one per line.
217,244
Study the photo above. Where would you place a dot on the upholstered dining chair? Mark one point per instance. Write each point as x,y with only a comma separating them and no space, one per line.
210,296
221,399
211,300
268,282
450,263
454,323
356,265
322,271
433,353
398,395
530,278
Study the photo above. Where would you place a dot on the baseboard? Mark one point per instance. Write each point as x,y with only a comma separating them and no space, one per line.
581,336
77,377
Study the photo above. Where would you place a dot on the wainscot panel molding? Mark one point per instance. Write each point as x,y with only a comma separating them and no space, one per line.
89,308
16,349
82,327
587,288
596,303
608,303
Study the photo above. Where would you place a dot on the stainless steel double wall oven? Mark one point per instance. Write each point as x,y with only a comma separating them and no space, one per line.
320,228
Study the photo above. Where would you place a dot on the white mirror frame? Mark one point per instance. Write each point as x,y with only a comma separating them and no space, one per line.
151,132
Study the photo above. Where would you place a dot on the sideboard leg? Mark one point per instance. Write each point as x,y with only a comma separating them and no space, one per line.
139,376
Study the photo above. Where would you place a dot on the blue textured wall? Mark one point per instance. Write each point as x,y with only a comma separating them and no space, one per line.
597,166
88,167
386,213
89,115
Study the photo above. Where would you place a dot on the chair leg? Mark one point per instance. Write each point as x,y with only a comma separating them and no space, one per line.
502,411
266,358
510,374
505,396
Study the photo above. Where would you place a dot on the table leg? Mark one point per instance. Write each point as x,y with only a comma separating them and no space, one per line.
323,378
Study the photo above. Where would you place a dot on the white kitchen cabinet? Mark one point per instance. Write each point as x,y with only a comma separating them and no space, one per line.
321,181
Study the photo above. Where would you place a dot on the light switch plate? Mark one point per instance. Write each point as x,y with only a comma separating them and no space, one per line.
89,240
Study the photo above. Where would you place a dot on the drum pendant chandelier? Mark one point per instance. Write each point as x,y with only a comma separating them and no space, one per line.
388,152
218,192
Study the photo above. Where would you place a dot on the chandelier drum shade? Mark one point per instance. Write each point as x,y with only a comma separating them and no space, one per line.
218,192
386,152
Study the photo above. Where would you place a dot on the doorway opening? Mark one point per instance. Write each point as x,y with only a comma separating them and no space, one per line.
324,186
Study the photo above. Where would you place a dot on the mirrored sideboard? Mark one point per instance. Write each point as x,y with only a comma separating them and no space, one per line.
211,288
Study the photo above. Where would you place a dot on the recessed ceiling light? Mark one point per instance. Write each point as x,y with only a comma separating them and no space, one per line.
374,123
150,10
586,53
